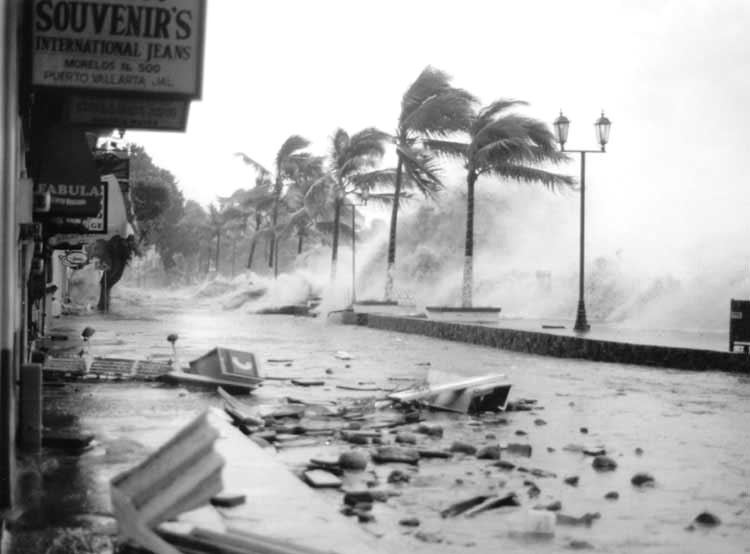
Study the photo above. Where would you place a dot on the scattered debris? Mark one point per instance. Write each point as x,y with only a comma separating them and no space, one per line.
359,388
491,452
320,478
395,454
435,431
434,454
240,412
463,448
353,459
504,465
409,522
604,463
585,520
460,507
398,476
519,449
343,355
576,544
539,422
572,481
643,480
639,451
308,382
430,538
227,499
555,506
612,495
476,395
406,438
492,503
594,452
584,430
708,519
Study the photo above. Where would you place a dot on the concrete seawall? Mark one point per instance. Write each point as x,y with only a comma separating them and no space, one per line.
548,344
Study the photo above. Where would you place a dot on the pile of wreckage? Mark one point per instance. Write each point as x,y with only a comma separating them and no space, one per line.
176,500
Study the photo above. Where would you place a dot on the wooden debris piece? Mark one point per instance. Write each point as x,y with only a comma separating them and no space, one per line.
488,392
239,411
320,478
460,507
183,474
308,382
493,503
227,499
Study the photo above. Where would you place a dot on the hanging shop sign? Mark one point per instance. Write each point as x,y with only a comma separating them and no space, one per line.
129,46
76,208
122,112
74,258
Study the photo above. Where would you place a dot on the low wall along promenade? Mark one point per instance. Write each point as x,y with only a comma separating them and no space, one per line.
561,346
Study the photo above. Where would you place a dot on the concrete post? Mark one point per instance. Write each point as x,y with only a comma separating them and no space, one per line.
31,406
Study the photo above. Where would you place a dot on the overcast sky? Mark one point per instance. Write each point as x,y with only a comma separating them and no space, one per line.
673,76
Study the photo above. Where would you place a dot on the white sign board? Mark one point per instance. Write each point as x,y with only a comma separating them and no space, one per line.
139,46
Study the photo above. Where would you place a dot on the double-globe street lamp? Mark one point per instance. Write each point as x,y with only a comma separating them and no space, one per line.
602,126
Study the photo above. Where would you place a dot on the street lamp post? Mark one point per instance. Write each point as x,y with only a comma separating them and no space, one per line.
602,126
364,195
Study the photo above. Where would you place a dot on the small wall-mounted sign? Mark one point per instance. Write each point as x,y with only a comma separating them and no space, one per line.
76,208
134,46
126,112
74,258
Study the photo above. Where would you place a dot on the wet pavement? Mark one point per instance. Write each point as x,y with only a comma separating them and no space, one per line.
688,430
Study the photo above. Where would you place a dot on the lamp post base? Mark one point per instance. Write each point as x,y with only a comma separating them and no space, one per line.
581,325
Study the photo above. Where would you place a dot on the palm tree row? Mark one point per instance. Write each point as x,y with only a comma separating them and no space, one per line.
437,120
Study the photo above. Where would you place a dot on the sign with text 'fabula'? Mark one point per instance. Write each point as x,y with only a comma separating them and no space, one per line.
136,46
76,208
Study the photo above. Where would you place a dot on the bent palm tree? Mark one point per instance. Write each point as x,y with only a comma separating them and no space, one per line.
350,171
287,161
507,146
431,112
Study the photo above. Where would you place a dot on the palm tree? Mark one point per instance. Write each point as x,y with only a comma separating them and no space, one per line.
432,111
296,201
218,219
506,146
350,172
287,161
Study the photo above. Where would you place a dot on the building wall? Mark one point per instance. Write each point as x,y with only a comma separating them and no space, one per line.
15,208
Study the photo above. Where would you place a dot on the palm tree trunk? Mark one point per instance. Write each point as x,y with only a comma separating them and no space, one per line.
274,218
218,251
253,242
468,284
335,247
392,236
300,239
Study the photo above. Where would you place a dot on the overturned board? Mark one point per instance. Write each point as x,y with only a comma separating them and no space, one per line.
183,378
273,494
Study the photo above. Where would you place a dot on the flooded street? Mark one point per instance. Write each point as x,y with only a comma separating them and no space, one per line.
687,429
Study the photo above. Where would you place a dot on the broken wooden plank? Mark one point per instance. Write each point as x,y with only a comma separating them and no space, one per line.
240,412
488,392
181,475
320,478
280,506
308,382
